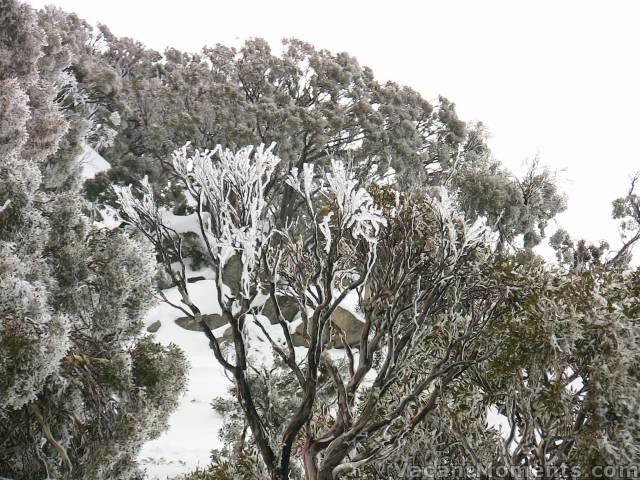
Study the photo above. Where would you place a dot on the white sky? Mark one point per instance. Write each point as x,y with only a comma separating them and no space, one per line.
556,78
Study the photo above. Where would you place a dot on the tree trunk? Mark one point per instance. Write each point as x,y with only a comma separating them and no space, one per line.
277,474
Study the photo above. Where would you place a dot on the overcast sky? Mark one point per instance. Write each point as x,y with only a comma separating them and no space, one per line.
560,79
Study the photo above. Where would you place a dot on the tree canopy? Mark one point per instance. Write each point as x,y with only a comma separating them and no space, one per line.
323,191
80,388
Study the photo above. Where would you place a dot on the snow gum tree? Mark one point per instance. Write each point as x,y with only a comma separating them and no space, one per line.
562,386
415,267
79,389
457,327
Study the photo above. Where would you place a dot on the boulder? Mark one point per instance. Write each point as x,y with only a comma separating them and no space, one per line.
341,317
154,327
212,319
227,336
288,307
348,322
344,319
232,278
195,279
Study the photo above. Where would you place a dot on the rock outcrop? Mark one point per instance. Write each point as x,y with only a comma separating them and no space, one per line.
342,318
231,274
154,327
212,319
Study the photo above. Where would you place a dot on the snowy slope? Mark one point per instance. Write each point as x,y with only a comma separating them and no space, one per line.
193,428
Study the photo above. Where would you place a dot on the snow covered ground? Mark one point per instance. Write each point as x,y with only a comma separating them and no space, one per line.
193,428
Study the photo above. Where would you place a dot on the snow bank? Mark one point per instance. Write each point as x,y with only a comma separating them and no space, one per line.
193,428
92,162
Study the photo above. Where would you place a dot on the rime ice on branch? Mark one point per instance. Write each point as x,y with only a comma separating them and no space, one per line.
402,260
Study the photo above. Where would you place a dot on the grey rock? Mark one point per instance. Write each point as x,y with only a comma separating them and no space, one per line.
227,336
154,327
297,339
348,322
341,317
199,278
344,319
213,320
232,277
288,307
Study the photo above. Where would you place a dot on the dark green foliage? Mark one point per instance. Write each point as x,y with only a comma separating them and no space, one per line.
72,297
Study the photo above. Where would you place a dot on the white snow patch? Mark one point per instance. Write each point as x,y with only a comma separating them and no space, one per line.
180,223
110,218
498,421
92,162
193,428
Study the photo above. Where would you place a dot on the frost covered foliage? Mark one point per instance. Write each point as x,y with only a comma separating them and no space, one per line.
315,105
355,207
410,262
34,335
454,331
276,399
235,189
33,338
560,394
79,389
232,186
20,42
519,208
456,322
121,292
311,102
